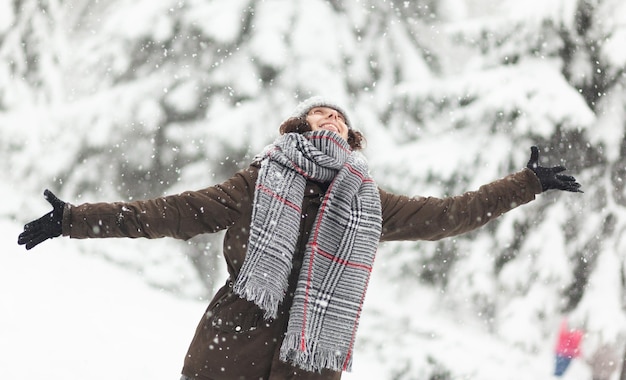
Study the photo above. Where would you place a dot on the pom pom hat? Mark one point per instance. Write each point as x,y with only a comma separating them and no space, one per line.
319,101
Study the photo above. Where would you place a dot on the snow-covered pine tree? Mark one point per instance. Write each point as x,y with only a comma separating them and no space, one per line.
552,75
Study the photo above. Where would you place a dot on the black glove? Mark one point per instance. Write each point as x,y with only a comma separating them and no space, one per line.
548,176
46,227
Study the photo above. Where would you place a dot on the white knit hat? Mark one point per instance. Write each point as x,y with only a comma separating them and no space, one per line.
305,106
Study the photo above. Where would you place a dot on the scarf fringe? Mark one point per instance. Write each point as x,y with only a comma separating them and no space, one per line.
267,300
314,361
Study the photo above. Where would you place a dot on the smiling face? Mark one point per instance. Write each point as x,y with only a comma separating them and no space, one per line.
326,118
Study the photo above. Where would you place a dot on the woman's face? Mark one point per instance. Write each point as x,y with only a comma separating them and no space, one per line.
325,118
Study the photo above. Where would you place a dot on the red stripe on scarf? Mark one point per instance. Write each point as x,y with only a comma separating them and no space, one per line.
283,200
298,169
333,139
358,174
306,294
314,249
344,262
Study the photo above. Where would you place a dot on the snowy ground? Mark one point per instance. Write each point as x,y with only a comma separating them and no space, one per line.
69,316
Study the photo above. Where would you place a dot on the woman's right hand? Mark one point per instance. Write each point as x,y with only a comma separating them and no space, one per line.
46,227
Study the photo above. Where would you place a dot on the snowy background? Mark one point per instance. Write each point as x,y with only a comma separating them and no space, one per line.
122,100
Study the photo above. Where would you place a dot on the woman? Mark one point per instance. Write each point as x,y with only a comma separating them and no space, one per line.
302,226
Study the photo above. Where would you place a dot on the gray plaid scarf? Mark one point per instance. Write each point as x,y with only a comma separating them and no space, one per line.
340,253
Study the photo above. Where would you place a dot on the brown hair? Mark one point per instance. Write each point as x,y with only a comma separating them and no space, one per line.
300,125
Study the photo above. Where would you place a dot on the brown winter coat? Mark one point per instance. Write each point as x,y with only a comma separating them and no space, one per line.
232,341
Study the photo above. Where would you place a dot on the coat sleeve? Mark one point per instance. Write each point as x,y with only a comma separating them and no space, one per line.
429,218
179,216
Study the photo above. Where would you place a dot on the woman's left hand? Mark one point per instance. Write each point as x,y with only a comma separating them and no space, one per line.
549,177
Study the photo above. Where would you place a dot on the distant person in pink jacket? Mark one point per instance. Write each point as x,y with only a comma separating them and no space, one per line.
567,347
